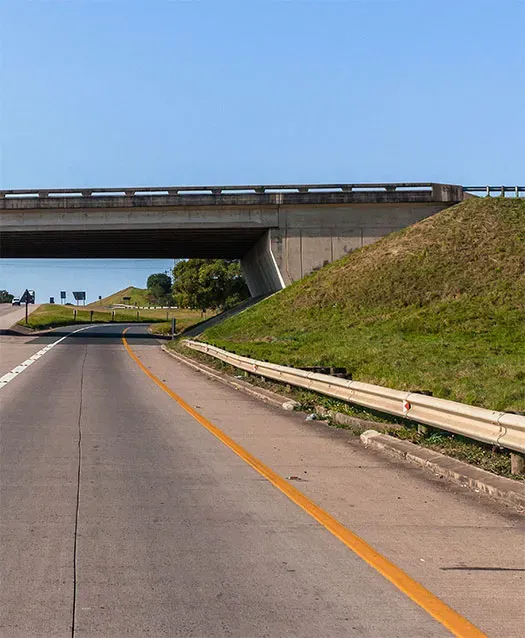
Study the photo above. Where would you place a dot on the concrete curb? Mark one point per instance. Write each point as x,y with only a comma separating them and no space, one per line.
508,491
504,490
22,331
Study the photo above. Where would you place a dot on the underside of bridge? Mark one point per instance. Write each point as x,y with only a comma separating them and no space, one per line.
224,243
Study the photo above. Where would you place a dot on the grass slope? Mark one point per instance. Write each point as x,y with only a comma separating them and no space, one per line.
138,296
438,306
53,315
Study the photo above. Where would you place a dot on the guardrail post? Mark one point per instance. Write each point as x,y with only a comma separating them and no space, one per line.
488,191
517,463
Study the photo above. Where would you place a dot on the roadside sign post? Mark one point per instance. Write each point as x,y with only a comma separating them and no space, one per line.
26,298
173,324
80,296
62,296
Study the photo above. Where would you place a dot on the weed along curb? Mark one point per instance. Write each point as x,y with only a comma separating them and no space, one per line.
507,491
503,489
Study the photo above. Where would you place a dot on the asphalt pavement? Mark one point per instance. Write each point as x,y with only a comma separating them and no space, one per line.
9,314
123,516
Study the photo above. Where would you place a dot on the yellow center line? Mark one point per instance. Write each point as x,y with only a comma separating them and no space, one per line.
452,620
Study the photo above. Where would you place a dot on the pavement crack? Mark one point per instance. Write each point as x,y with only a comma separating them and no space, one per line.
77,508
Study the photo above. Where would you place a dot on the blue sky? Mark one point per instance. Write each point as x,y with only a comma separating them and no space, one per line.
123,92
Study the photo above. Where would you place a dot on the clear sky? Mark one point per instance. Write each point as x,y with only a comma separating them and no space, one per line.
123,92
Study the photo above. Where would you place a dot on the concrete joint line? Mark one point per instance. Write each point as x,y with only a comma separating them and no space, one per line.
77,499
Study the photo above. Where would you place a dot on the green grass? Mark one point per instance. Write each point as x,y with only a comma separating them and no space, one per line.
53,316
185,318
439,306
138,297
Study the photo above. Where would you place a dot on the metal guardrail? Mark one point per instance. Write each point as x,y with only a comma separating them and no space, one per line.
501,190
214,190
498,428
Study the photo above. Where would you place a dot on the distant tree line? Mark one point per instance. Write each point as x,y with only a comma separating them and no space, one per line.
6,297
201,284
159,289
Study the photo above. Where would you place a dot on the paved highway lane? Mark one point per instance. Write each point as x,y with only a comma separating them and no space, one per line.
159,530
122,516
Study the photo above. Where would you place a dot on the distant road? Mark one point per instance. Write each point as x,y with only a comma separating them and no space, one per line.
9,314
123,516
5,308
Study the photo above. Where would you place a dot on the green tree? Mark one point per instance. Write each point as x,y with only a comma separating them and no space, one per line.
208,283
159,287
6,297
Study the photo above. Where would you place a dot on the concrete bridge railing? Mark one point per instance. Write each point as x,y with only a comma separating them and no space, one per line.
152,191
217,190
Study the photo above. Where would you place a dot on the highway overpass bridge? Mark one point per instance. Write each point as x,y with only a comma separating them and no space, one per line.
279,232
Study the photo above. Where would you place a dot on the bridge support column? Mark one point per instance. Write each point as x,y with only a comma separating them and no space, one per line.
260,269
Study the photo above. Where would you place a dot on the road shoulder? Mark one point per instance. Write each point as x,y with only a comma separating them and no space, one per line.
504,490
439,533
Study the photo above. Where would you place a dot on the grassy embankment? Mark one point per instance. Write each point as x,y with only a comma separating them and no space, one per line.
439,306
54,315
138,297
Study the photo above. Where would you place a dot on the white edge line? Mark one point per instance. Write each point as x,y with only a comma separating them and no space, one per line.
12,374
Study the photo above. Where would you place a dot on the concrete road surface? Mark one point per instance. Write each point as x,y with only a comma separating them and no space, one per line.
123,516
9,314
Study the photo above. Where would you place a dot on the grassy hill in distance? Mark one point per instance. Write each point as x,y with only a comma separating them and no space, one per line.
438,306
138,297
